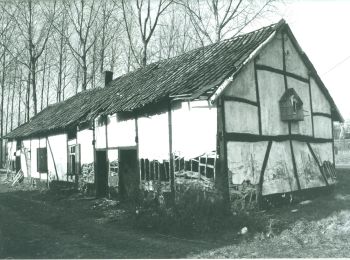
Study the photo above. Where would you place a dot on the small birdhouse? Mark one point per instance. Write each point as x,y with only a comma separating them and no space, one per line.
291,106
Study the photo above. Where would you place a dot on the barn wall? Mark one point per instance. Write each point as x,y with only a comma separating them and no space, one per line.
72,141
234,122
26,157
272,54
33,163
57,155
271,89
153,136
308,169
194,131
279,172
302,88
322,127
84,138
319,101
290,163
294,63
194,127
100,133
120,132
11,150
153,151
244,85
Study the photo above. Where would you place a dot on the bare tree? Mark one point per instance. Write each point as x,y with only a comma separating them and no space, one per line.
35,34
5,41
110,24
14,87
82,15
175,34
213,20
148,14
19,112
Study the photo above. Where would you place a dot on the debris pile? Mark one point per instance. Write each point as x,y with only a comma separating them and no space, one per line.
110,210
86,177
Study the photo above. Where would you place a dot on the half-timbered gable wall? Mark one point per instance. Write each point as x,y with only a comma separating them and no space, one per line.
266,155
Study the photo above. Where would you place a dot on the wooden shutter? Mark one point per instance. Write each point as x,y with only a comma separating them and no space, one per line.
42,160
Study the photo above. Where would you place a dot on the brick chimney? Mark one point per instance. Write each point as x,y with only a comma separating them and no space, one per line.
108,76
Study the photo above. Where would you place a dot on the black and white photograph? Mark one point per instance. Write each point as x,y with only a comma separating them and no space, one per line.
158,129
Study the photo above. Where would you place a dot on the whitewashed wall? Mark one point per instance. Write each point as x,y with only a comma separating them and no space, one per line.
279,173
322,125
272,54
72,141
26,158
271,89
244,161
308,170
34,145
84,138
194,128
100,134
294,63
58,145
120,133
11,150
153,137
244,84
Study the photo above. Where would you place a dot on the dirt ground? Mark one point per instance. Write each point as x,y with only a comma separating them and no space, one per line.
38,224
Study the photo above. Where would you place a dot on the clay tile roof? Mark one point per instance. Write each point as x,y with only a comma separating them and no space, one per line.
191,74
57,117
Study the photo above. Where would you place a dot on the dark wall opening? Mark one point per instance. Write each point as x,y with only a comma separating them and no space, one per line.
129,179
101,174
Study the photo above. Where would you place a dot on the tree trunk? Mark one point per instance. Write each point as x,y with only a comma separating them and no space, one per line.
2,108
48,87
28,97
93,74
33,75
19,99
83,87
77,79
144,55
8,93
43,83
13,98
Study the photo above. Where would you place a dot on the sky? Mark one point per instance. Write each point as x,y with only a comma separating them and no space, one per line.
322,28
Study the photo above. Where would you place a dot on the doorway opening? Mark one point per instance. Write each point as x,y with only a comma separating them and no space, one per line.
129,179
101,174
18,163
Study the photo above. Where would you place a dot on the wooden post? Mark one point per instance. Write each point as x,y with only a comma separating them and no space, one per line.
206,165
171,163
261,179
222,177
94,152
199,167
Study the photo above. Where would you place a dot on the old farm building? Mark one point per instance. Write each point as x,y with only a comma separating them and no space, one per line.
248,115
